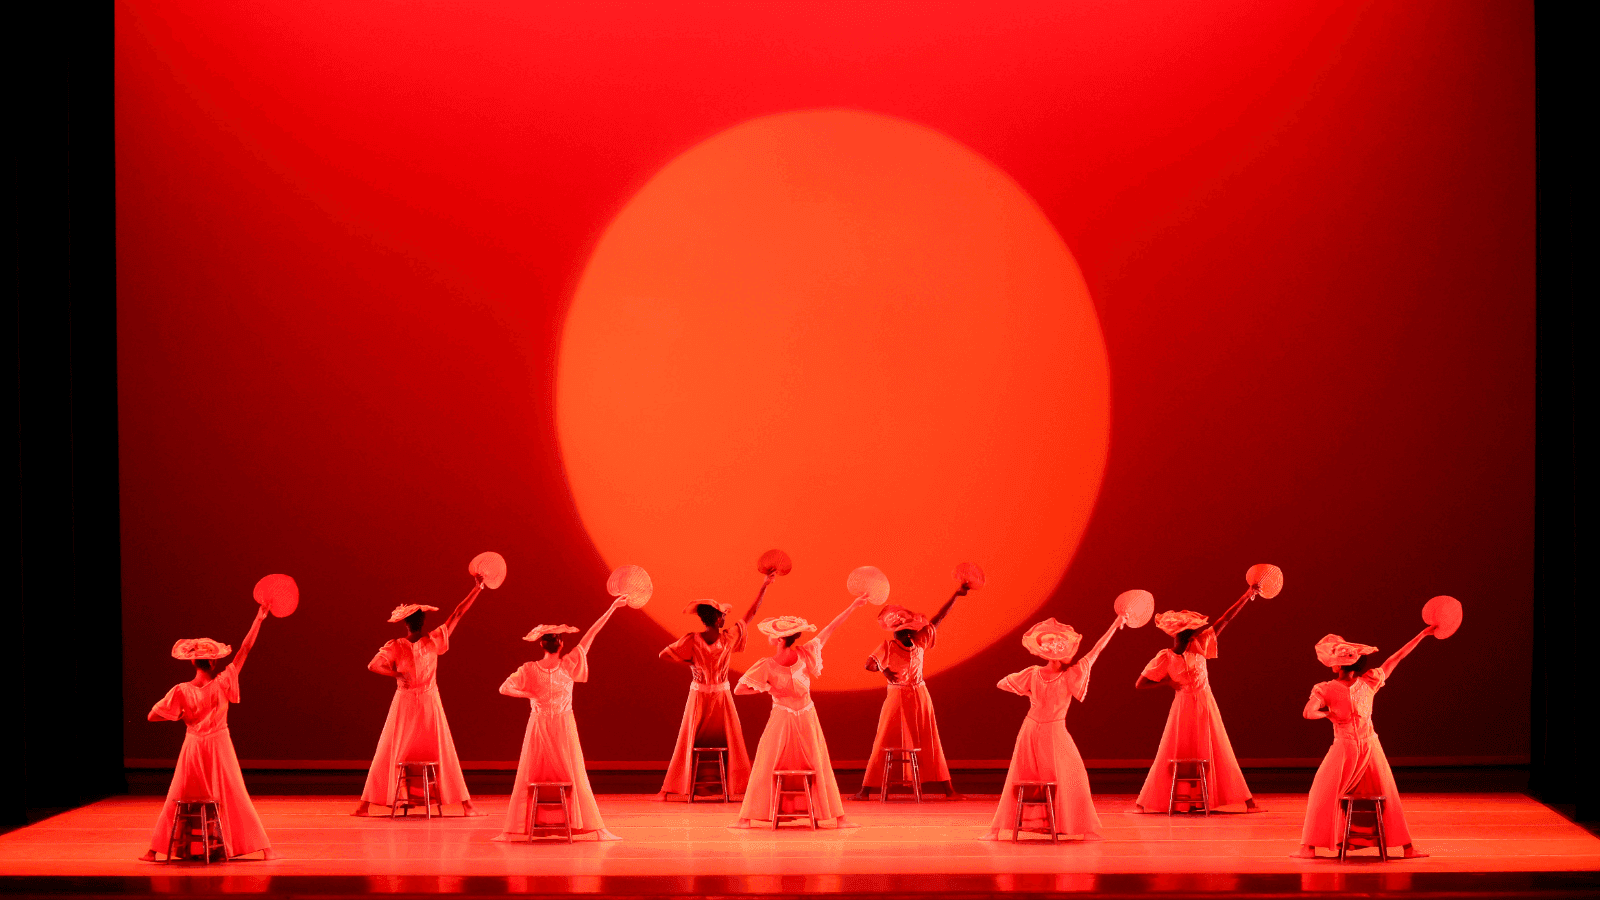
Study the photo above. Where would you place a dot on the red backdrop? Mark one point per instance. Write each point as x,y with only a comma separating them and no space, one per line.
348,235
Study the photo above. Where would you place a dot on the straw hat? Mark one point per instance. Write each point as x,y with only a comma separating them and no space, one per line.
1175,620
1334,650
406,609
200,648
693,608
898,618
783,626
542,630
1052,640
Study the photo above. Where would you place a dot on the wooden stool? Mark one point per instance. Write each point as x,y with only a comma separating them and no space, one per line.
429,773
704,756
779,791
1370,831
1036,793
1190,772
562,802
191,819
903,761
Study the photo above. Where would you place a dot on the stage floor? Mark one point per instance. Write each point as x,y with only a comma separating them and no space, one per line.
318,837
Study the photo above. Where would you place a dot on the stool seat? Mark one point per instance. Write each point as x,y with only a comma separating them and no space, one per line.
1368,831
701,757
900,770
1191,772
1036,793
779,791
191,819
405,790
562,803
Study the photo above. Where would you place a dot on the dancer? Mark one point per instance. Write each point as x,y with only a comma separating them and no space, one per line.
207,767
1194,723
416,729
1045,750
1355,764
709,716
550,748
793,737
907,718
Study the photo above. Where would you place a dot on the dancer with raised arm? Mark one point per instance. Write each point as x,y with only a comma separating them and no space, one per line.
1045,750
416,729
793,737
550,748
907,719
1355,764
208,768
1194,727
709,716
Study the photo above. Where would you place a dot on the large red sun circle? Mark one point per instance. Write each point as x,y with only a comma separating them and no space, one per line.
851,337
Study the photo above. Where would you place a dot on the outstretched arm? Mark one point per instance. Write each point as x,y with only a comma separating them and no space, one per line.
249,640
750,615
587,640
945,609
1234,610
463,606
827,630
1403,652
1087,660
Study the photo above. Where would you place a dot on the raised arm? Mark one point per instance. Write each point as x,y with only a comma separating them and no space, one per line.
1234,610
945,609
587,640
1403,652
750,615
249,640
827,630
463,606
1087,660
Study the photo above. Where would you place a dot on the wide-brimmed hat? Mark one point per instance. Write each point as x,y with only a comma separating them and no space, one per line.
200,648
1334,650
693,608
540,631
1052,640
406,609
783,626
1175,620
898,618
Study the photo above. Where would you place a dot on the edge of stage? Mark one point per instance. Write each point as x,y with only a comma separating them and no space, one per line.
1483,845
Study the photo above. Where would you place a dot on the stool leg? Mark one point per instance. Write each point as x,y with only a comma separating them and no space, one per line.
694,772
1016,833
533,807
1383,839
722,773
172,833
427,797
205,834
811,806
566,812
1172,792
888,767
1050,809
1348,808
777,790
1205,785
916,778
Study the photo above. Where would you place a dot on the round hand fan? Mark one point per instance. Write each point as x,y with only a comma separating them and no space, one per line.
969,576
1444,614
868,580
279,594
1135,607
774,562
492,566
1267,579
631,583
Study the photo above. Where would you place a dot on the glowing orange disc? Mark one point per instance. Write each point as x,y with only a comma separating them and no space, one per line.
852,337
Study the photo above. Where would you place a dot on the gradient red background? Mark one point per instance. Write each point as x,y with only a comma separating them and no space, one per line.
348,234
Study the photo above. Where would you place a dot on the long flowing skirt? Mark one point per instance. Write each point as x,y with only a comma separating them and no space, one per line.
551,753
416,731
1046,752
1358,767
709,720
792,741
907,720
208,770
1194,731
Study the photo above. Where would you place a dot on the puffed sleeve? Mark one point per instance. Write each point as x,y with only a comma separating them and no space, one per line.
1376,677
1205,642
170,707
1156,668
386,654
741,632
441,639
576,662
926,637
880,654
811,652
1077,676
516,684
1019,682
755,677
680,648
228,681
1314,703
